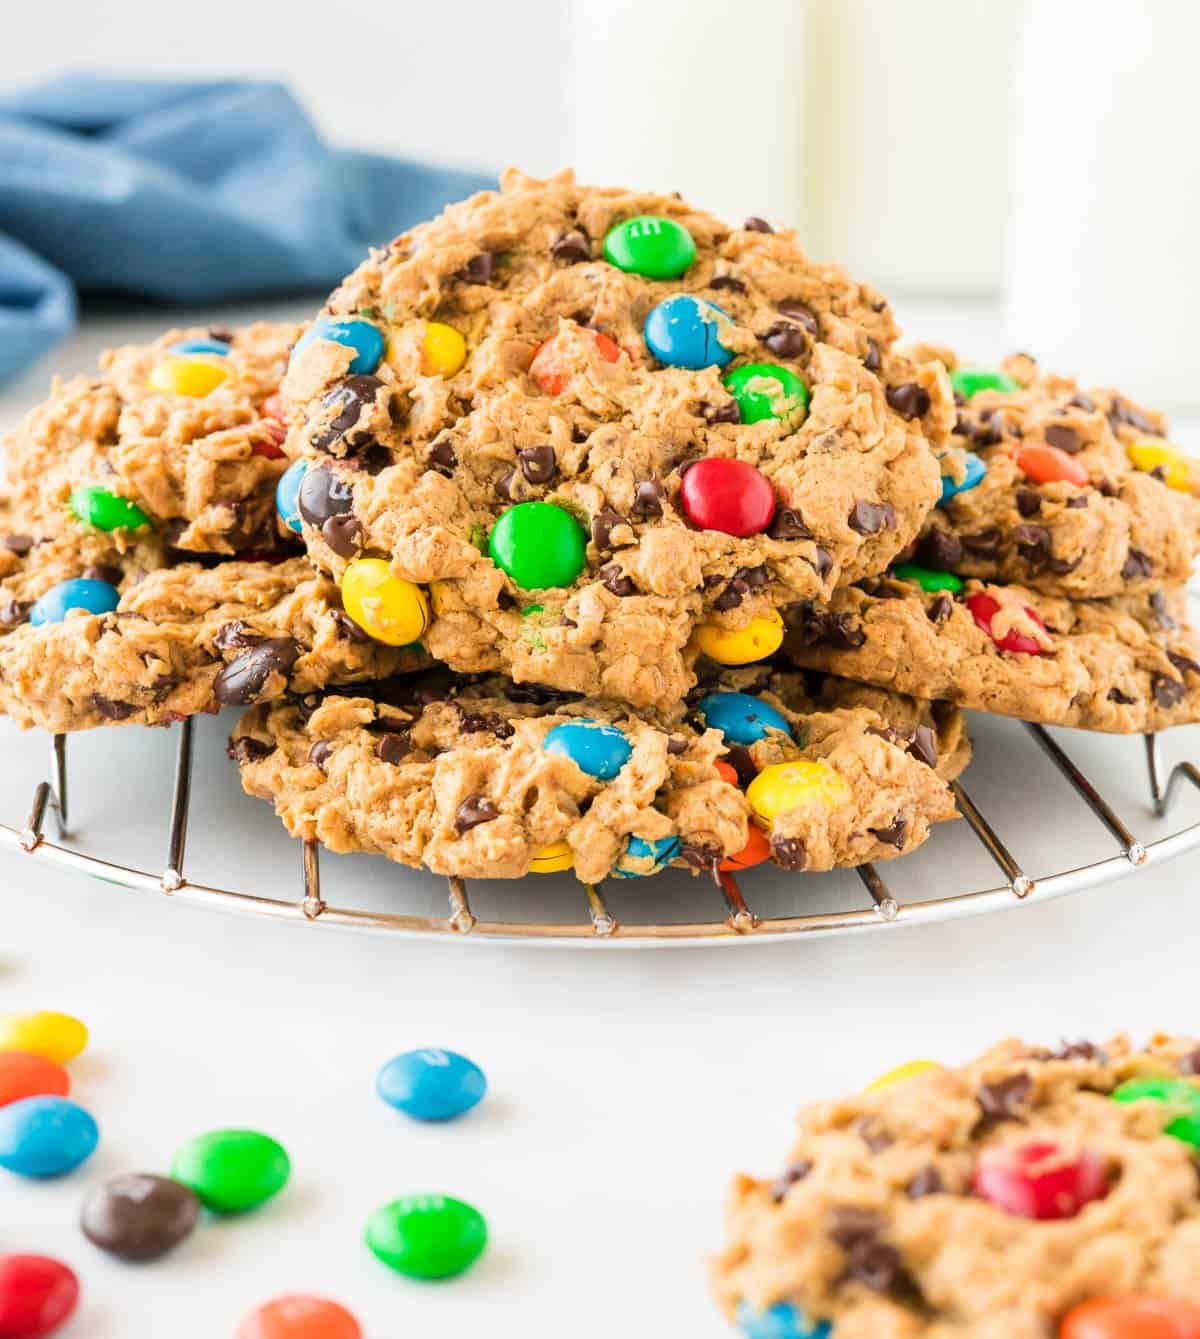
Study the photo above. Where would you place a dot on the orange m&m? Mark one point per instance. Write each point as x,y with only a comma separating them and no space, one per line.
1046,464
1132,1316
549,374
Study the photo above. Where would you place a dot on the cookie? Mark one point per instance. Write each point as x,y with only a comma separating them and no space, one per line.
599,426
484,778
1009,1199
1123,665
178,441
1070,492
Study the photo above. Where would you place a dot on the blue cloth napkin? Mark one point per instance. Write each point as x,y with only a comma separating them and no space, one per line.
181,193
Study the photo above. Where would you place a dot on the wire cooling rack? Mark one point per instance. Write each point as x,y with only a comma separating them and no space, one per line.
1113,850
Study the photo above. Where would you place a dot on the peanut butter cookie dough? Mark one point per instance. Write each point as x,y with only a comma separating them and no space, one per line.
487,778
1070,492
177,442
1014,1198
599,426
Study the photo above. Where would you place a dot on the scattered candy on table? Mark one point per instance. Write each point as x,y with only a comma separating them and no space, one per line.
756,640
232,1170
780,1321
790,785
386,607
300,1316
766,391
102,510
741,717
88,594
1039,1179
974,471
431,1084
58,1037
37,1295
1182,1096
191,377
968,381
909,1070
24,1074
985,607
684,331
443,350
1046,464
641,857
538,545
427,1236
138,1215
928,579
1179,470
1132,1316
365,339
287,494
45,1136
552,859
650,245
718,493
220,348
599,750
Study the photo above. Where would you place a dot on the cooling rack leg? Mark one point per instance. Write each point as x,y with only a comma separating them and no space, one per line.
172,879
741,918
881,894
312,906
602,922
1133,850
58,771
1184,771
460,909
1020,882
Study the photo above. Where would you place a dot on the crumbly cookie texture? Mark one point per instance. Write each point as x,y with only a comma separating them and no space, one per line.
874,1225
1123,665
452,772
183,640
202,468
424,464
1122,530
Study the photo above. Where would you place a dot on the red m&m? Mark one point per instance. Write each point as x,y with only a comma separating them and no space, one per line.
37,1294
1132,1316
1039,1180
985,607
546,369
1046,464
727,495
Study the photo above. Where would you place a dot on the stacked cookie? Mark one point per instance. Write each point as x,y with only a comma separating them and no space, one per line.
515,551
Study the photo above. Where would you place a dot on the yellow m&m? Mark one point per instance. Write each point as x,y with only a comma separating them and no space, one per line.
909,1070
785,786
194,377
386,607
1180,471
552,859
443,350
54,1036
761,637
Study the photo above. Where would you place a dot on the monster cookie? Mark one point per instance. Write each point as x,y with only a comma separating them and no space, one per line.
111,643
1071,492
1122,665
600,425
178,440
1030,1194
486,778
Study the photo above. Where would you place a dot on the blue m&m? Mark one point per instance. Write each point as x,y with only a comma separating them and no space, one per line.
642,857
685,332
974,469
287,494
781,1321
741,718
86,593
599,750
364,338
431,1084
45,1136
219,347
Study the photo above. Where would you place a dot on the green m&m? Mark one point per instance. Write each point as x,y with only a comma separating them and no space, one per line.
232,1170
968,381
764,390
650,245
1182,1096
928,579
427,1236
103,510
539,545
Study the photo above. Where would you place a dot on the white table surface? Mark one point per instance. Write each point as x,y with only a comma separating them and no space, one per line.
626,1087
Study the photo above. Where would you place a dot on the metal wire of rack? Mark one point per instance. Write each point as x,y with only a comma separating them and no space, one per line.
740,924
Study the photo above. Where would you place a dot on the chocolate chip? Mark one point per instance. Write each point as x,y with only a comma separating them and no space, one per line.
983,543
538,464
789,853
1184,664
223,333
18,544
872,362
483,722
1106,488
819,627
1033,543
344,535
923,746
1006,1099
1080,1050
785,339
1167,692
347,629
940,549
603,524
742,761
850,1224
1029,503
700,855
393,746
243,679
875,1138
727,412
880,1267
371,458
755,224
1064,437
503,485
245,749
796,310
940,610
928,1181
754,577
614,579
480,269
1120,698
14,612
103,572
442,456
787,523
111,710
728,282
909,399
572,248
1137,564
731,596
1077,503
318,755
648,501
1084,402
869,518
884,732
473,811
1190,1063
1158,603
323,494
788,1178
350,401
235,636
895,834
677,745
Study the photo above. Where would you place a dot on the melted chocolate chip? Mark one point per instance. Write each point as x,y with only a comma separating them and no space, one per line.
928,1181
731,596
538,464
350,401
393,747
1120,698
103,572
849,1223
923,746
18,544
504,484
480,269
909,399
1167,692
755,224
344,535
785,339
648,501
789,853
677,745
1137,564
603,524
875,1138
1183,663
869,518
742,761
1081,401
1158,603
318,755
1106,488
1064,437
473,811
788,1178
614,579
347,629
245,749
796,310
14,612
1080,1050
727,412
787,523
483,722
1190,1063
1033,543
872,362
983,543
940,549
728,282
572,248
895,834
1029,503
235,636
111,710
442,456
815,626
1077,503
1006,1099
324,494
243,679
821,562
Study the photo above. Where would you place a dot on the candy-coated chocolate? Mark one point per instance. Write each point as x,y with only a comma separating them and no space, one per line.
431,1084
552,859
1177,1094
597,749
633,860
984,608
87,593
219,348
909,1070
1179,470
103,510
24,1074
300,1316
1132,1316
650,245
443,350
780,1321
785,786
684,331
192,377
741,717
1046,464
37,1296
928,579
538,545
732,496
427,1236
551,377
365,339
45,1136
1039,1180
759,638
727,772
138,1215
968,381
59,1037
765,390
287,494
974,472
756,850
386,607
232,1170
